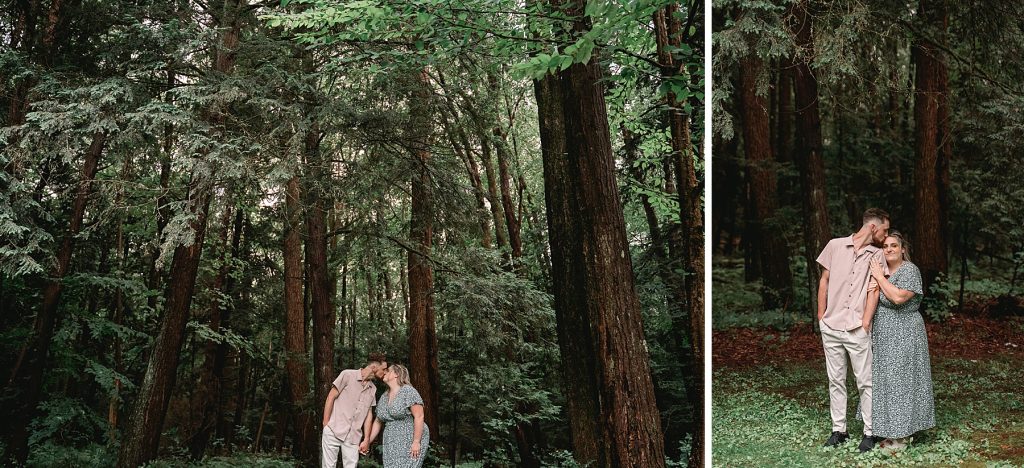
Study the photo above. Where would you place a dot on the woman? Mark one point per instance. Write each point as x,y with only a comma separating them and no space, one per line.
901,377
400,411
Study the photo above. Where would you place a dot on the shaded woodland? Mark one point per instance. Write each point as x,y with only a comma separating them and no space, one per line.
209,209
825,108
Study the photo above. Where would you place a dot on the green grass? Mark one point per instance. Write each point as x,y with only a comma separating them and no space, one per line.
778,416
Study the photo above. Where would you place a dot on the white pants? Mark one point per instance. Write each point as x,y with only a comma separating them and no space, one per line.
329,446
838,345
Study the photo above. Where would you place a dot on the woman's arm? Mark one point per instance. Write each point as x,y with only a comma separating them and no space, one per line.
896,295
417,429
375,430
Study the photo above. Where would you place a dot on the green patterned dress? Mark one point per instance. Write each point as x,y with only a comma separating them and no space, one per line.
399,429
901,378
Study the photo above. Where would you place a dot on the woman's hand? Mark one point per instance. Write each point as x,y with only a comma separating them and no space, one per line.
414,451
876,269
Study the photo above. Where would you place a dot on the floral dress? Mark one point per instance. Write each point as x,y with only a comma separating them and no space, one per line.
399,427
902,400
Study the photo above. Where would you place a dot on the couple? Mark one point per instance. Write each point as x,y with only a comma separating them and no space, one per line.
888,350
348,415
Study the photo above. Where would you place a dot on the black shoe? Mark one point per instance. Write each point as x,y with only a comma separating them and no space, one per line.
837,438
866,444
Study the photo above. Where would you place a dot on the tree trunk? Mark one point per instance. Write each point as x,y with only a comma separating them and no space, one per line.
142,437
322,308
497,209
686,242
612,410
809,157
423,365
931,147
512,222
295,320
27,375
777,280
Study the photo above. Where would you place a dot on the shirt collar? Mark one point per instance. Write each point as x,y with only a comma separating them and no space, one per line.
869,247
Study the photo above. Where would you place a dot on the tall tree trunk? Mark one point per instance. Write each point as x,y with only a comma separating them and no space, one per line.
295,320
614,418
931,146
512,221
27,375
142,437
423,365
809,158
460,143
686,242
321,303
777,279
497,209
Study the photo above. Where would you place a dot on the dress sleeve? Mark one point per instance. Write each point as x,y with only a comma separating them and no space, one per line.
411,397
912,281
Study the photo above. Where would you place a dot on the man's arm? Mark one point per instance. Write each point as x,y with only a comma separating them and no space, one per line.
329,404
869,309
364,446
822,293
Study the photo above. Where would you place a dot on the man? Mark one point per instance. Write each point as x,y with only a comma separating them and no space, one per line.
845,308
348,412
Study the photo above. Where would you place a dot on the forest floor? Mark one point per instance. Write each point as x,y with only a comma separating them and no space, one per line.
770,404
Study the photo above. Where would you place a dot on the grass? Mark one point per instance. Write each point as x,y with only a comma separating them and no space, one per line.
778,416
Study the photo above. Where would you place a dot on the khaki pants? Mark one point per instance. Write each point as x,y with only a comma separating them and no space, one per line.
838,345
329,447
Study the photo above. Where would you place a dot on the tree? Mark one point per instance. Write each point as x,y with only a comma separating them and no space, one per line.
933,145
144,427
423,364
599,326
777,286
809,153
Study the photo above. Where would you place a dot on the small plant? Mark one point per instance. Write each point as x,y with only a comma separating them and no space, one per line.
940,301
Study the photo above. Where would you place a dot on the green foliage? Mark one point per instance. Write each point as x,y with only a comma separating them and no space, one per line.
52,454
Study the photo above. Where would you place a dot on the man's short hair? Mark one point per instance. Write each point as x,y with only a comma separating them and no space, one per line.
875,214
377,357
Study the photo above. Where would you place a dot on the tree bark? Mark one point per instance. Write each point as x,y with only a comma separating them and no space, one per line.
809,156
321,303
295,320
423,365
776,277
931,146
612,410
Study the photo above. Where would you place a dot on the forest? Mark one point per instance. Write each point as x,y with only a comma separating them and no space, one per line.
822,109
209,208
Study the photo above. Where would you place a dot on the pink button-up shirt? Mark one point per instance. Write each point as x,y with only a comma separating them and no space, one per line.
355,398
849,272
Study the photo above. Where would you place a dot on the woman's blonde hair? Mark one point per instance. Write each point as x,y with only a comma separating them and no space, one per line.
903,243
401,373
